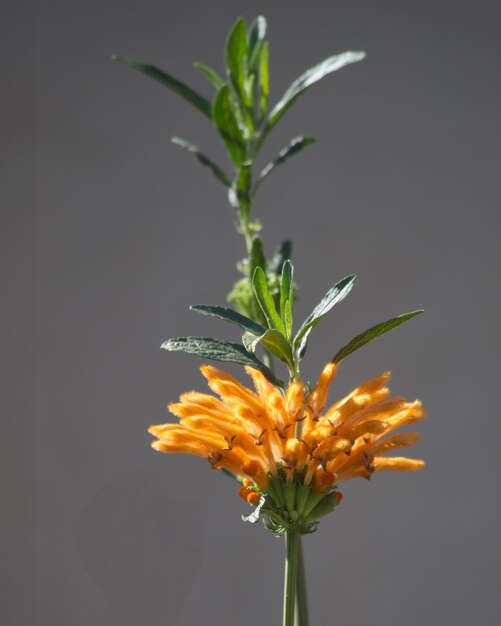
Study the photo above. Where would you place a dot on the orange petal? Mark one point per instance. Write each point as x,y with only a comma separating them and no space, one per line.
318,398
398,464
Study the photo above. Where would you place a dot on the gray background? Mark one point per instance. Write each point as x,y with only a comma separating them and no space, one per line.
109,233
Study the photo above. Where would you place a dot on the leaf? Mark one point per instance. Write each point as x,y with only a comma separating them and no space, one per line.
257,34
275,343
224,117
260,285
331,298
189,94
211,74
219,350
257,258
235,58
373,333
229,315
215,169
287,297
309,78
295,146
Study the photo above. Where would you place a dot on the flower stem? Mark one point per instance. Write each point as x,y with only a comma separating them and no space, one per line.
292,543
301,590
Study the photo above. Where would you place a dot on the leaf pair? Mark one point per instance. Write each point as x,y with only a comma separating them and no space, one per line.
274,340
217,349
277,338
337,293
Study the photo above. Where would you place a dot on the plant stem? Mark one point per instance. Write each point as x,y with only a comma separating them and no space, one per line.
292,543
301,589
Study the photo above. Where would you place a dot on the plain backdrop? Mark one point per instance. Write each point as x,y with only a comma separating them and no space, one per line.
109,232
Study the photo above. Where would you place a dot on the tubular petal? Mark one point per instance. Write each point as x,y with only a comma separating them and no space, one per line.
398,464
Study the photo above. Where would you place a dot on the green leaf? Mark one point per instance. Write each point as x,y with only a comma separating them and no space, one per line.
279,257
264,79
198,101
257,258
373,333
225,118
229,315
256,38
331,298
287,297
215,169
295,145
219,350
235,58
211,74
275,343
260,285
309,78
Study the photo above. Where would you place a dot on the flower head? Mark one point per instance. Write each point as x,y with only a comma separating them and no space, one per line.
290,450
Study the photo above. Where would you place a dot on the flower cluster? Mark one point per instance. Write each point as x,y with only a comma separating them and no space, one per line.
290,450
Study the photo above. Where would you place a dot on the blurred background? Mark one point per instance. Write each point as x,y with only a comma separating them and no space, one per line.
109,233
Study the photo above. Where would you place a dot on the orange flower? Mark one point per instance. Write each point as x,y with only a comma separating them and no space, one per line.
290,448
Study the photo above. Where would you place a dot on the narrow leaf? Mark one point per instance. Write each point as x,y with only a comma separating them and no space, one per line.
235,58
331,298
373,333
224,117
204,160
219,350
295,145
287,297
189,94
211,74
229,315
257,258
260,285
309,78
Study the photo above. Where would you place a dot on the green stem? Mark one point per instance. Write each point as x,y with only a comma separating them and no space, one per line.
301,590
292,542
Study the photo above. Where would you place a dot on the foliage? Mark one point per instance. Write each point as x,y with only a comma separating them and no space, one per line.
263,297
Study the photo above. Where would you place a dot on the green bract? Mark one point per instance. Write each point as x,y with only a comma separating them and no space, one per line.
292,505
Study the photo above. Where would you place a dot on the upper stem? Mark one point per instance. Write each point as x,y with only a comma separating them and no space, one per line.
301,590
292,542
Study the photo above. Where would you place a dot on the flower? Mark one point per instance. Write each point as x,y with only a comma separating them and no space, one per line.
289,448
